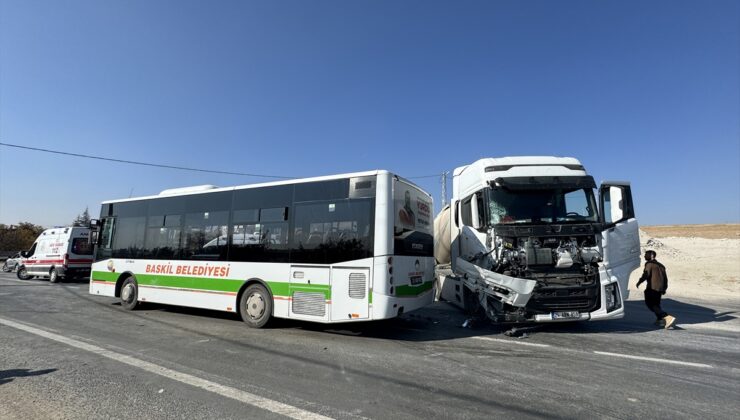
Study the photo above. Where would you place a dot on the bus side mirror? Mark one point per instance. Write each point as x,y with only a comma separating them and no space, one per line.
93,237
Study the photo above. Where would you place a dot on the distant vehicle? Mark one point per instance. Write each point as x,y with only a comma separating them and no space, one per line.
58,253
12,263
328,249
525,241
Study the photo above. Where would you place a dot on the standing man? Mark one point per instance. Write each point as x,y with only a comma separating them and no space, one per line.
657,283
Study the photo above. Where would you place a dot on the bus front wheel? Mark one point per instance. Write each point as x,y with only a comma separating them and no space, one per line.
255,306
129,294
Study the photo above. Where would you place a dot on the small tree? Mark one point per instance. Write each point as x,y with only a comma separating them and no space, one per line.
18,237
82,219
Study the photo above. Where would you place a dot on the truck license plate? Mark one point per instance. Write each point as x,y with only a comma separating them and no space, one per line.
566,315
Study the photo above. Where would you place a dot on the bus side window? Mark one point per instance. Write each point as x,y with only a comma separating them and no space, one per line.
259,235
205,236
333,231
163,236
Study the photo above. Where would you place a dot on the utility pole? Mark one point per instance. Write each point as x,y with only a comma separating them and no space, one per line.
444,188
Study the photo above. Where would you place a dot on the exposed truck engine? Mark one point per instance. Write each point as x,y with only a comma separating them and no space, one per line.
524,240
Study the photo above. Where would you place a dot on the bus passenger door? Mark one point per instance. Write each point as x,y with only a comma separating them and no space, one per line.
350,293
310,292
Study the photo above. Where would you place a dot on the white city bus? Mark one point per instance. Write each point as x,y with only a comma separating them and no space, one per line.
329,249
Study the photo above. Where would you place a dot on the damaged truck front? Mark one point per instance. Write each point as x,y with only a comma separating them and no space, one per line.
525,241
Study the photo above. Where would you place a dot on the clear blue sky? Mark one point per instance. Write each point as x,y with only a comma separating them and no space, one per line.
647,91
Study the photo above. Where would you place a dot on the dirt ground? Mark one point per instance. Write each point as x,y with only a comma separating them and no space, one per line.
724,231
702,261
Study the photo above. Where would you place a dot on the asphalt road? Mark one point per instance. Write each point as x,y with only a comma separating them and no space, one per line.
67,354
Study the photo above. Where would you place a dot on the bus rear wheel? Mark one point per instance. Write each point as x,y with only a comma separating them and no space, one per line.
129,294
53,275
255,306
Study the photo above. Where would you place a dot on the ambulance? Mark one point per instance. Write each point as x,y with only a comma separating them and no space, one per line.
58,253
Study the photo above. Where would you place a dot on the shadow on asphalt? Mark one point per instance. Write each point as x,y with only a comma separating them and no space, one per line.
10,374
639,319
442,321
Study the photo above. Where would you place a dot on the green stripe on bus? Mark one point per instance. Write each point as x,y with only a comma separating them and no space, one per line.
406,290
211,284
199,283
105,276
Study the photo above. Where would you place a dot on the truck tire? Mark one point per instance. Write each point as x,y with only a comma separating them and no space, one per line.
255,306
22,273
53,276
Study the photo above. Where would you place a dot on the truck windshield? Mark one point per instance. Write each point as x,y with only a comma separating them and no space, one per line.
542,206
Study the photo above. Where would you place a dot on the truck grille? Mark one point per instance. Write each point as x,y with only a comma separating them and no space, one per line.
584,299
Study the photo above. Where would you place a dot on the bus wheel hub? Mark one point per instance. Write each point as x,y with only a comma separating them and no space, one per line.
255,306
127,292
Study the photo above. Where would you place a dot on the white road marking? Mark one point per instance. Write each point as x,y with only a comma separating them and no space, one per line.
652,359
521,343
602,353
226,391
732,325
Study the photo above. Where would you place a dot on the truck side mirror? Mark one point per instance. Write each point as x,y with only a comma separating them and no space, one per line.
616,203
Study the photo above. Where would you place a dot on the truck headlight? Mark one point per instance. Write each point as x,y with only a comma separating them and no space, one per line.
613,299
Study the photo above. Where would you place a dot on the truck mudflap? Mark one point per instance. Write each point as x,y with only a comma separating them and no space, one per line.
511,290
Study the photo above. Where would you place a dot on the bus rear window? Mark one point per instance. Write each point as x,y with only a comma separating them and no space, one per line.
81,246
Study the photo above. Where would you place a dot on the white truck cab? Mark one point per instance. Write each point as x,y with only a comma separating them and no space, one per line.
58,253
524,240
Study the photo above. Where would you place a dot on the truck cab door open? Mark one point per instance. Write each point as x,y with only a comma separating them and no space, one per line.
620,240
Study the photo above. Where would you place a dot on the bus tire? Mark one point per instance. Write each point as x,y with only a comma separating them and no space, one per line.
255,306
53,275
22,273
129,294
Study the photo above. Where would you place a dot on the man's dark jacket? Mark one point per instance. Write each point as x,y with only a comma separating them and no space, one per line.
655,275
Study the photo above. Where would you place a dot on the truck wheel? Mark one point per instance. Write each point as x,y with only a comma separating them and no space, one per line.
22,273
129,294
255,306
53,275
